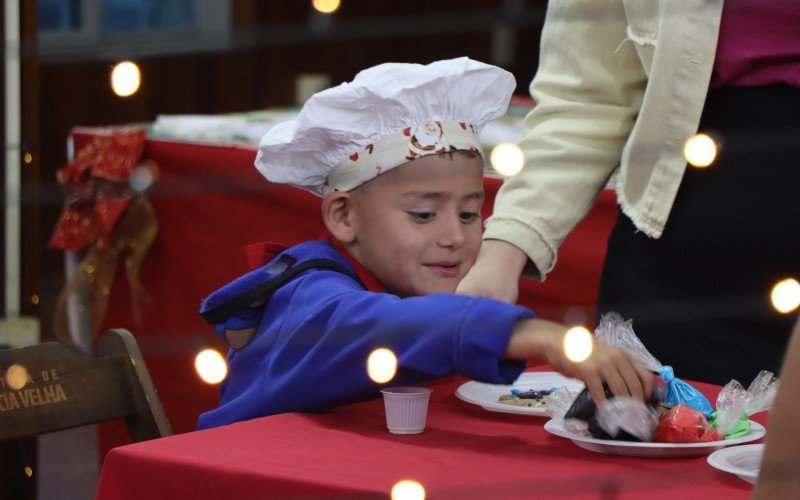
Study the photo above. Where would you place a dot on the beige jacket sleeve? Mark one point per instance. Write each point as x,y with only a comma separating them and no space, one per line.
588,89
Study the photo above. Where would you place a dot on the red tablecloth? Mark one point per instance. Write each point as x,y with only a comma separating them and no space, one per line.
210,202
465,452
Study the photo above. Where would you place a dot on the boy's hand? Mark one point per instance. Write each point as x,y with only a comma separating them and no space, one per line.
496,272
544,340
608,365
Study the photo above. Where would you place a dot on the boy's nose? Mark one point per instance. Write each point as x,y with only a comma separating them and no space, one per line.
452,233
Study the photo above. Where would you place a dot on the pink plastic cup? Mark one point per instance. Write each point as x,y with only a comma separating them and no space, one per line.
406,409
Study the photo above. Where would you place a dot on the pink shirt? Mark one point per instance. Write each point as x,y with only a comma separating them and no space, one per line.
759,44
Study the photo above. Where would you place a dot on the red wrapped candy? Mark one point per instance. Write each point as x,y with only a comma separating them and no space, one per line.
683,424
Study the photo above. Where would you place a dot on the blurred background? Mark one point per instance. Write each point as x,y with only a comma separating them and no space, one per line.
194,57
212,57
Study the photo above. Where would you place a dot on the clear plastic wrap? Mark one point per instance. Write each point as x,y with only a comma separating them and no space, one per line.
614,330
762,389
584,409
627,417
735,404
560,402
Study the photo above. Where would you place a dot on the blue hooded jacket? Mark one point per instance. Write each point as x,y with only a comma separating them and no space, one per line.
312,337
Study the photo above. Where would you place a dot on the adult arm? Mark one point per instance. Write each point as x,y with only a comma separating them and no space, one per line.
588,88
780,467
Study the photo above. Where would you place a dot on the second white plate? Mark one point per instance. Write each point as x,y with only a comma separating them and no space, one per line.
487,395
744,461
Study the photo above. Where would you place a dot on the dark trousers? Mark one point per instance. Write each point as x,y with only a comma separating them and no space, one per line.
699,296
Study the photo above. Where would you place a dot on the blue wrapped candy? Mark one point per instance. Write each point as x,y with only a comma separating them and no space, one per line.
679,392
614,330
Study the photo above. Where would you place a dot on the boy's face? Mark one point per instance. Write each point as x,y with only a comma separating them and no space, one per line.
418,226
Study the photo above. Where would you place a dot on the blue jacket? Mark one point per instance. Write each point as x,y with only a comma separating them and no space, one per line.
312,339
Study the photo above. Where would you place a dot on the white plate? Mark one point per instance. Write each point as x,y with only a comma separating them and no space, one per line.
757,431
486,395
744,461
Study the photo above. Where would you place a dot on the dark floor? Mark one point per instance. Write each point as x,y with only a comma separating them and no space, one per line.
68,464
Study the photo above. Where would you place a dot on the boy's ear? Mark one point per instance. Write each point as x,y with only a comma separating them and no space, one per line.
337,213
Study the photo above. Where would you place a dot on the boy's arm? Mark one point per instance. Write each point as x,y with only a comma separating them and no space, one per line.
323,344
311,349
318,352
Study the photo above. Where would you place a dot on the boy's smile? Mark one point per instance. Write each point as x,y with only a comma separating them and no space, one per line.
417,228
446,269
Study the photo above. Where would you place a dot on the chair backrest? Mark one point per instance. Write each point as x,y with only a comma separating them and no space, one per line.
48,387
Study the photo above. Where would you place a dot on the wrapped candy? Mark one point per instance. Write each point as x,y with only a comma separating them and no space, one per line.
685,419
614,330
735,405
628,419
560,401
683,424
620,418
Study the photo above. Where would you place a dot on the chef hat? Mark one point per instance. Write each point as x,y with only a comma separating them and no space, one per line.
388,115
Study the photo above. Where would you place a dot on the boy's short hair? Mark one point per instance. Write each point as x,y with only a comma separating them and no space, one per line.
389,114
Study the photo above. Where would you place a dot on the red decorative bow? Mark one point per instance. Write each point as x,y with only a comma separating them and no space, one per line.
97,189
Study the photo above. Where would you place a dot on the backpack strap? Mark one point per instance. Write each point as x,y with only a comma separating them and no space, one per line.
216,309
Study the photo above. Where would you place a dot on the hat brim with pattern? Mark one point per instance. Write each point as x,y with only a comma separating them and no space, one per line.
388,115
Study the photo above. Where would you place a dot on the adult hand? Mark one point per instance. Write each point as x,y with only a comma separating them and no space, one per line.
496,272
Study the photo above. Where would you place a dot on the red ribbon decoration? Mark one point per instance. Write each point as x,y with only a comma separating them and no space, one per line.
97,189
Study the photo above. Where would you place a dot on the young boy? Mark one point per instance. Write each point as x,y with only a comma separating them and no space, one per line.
396,156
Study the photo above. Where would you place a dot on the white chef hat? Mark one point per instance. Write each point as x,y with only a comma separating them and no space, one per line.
389,114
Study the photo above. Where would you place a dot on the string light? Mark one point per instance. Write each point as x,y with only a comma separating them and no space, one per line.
408,489
326,6
381,365
28,471
507,159
125,78
578,344
34,299
28,158
142,177
211,366
785,295
700,150
16,377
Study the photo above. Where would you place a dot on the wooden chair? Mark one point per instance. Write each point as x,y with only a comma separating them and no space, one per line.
48,387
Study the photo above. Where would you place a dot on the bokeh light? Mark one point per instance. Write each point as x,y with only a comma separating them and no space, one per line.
408,489
125,78
16,377
326,6
578,344
28,471
142,177
28,158
507,159
381,365
785,295
700,150
211,366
